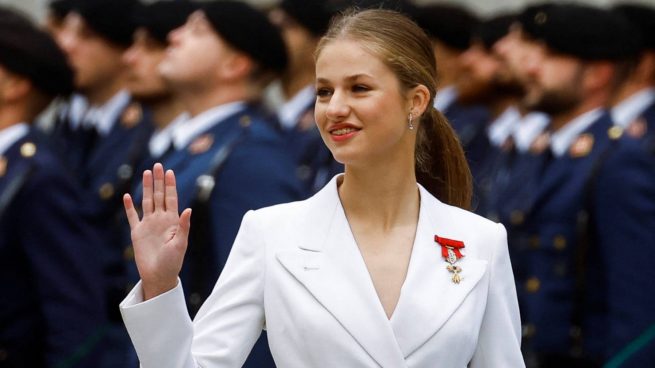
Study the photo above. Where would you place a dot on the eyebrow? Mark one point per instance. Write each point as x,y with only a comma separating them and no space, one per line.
349,78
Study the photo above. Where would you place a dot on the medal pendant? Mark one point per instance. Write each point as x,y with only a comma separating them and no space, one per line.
452,257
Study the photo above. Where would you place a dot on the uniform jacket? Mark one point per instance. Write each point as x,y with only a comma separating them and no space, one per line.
295,269
52,311
600,193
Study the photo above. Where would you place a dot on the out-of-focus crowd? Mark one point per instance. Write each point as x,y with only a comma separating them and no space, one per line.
554,106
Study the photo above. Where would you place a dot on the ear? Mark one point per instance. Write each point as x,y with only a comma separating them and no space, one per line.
236,66
418,99
14,88
598,75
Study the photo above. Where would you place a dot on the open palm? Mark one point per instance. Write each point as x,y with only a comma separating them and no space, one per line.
159,238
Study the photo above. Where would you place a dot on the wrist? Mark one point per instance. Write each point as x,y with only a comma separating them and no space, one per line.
154,289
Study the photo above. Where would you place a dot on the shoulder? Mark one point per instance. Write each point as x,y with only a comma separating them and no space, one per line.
482,237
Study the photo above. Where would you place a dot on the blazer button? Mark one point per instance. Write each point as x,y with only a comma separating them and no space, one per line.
516,217
532,285
559,242
528,330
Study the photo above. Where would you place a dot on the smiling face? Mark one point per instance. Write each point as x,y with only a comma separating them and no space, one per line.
361,110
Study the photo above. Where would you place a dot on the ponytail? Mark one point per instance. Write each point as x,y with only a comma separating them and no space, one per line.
441,166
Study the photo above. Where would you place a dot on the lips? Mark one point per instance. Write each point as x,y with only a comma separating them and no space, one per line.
343,131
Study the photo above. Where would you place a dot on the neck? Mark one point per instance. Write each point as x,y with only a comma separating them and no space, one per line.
196,101
164,111
628,90
497,107
383,195
558,121
9,117
100,95
294,81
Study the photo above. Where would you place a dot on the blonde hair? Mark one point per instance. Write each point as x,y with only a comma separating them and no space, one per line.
406,50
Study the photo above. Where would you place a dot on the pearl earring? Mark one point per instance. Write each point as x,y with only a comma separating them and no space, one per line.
411,118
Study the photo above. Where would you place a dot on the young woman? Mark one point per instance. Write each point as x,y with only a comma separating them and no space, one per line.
375,269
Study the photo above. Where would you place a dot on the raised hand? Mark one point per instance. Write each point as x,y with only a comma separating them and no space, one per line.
160,238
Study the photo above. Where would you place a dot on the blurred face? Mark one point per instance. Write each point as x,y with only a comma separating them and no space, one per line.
142,60
96,61
195,54
361,111
300,42
513,52
479,71
554,82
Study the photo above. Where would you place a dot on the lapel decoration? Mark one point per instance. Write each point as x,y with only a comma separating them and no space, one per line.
450,251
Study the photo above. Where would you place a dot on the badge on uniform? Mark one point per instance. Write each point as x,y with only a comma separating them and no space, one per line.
131,115
637,128
201,144
582,146
451,252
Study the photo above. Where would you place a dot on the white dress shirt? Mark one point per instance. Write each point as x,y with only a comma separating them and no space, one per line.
185,132
290,112
631,108
11,134
561,140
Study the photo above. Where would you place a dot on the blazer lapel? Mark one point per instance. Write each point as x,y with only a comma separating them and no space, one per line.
331,268
429,297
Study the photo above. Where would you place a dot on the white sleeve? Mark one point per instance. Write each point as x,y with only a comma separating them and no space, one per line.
499,341
227,325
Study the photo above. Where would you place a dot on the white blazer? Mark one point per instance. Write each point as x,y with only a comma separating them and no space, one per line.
296,270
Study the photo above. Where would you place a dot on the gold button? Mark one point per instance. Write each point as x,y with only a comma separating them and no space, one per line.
128,253
28,149
534,242
528,330
615,132
245,121
106,191
532,285
516,217
559,242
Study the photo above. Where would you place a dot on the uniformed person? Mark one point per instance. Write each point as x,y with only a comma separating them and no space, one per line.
634,104
450,28
52,310
586,296
228,158
302,24
101,148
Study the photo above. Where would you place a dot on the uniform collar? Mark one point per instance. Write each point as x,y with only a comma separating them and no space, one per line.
561,140
631,108
445,97
103,117
74,110
290,112
184,133
501,128
10,135
528,129
162,139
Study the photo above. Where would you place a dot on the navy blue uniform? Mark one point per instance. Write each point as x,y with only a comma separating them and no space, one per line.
591,242
52,310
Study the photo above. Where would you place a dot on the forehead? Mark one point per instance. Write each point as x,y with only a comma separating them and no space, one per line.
342,58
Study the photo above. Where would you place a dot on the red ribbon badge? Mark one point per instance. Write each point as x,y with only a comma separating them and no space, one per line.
445,244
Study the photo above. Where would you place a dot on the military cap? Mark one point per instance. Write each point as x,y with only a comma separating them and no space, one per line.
491,30
249,31
161,17
28,51
581,31
112,19
451,24
642,17
313,15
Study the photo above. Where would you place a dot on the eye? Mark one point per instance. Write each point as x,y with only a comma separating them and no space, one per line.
323,92
360,88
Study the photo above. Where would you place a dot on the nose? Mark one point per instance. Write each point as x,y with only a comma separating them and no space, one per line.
338,107
129,56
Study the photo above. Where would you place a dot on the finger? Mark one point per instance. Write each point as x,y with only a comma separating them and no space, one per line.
184,225
146,202
170,191
130,211
158,193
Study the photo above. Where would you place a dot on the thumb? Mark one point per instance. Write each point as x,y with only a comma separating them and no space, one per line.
184,225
